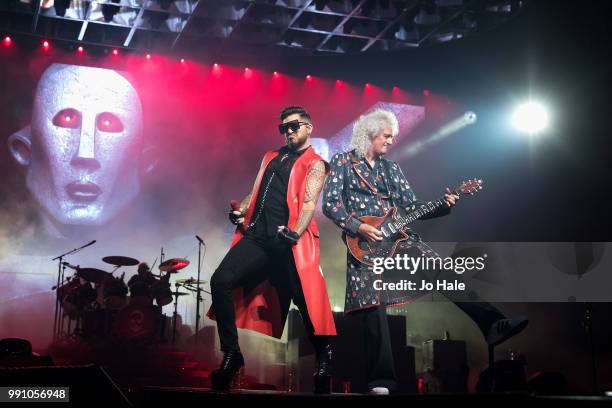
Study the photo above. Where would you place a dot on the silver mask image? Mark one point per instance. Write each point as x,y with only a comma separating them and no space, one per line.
84,144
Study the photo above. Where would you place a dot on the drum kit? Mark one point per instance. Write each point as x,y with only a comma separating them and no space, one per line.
99,303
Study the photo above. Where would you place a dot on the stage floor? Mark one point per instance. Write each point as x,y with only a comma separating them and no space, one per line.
181,396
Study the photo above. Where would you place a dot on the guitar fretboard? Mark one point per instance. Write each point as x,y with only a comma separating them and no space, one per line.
420,212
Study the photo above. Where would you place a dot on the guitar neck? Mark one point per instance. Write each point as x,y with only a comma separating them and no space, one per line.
420,212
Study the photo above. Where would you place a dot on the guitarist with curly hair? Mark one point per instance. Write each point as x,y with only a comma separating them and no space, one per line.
363,185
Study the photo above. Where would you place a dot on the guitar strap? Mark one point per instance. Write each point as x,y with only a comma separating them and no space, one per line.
388,174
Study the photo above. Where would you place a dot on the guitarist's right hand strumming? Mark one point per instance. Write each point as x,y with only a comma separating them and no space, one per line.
370,233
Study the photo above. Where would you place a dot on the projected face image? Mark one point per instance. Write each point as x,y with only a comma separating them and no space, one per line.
85,144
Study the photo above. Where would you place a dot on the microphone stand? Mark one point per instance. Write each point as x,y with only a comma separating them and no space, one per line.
60,280
199,289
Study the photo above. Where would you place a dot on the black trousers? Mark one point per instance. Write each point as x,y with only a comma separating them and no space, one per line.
379,355
380,369
247,264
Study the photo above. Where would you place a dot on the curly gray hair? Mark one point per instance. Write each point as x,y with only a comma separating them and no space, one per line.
370,125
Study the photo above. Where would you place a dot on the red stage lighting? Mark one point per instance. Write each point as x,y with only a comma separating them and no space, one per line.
7,41
115,51
80,49
309,77
148,56
46,45
182,60
275,74
395,89
425,92
216,65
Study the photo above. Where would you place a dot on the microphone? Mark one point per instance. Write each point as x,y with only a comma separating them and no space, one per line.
90,244
200,239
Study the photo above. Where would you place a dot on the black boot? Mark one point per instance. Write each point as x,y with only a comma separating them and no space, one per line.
322,376
222,377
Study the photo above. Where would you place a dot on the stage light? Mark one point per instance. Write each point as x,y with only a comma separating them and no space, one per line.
148,56
426,92
115,51
216,65
182,60
395,89
7,41
418,146
46,45
80,49
531,117
308,77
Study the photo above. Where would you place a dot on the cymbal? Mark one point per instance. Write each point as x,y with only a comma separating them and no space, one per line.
93,275
120,260
173,265
191,281
177,293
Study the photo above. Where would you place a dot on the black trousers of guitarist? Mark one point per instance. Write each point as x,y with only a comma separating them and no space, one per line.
380,367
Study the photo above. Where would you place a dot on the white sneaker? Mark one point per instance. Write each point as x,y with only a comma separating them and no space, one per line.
379,391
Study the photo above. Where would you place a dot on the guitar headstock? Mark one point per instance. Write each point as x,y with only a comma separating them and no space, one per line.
470,186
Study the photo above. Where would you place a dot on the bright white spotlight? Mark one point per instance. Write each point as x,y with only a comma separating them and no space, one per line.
530,117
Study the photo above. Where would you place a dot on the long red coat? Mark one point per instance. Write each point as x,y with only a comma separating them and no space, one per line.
262,308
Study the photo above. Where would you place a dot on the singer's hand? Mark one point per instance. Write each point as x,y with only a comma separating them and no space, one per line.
236,217
287,235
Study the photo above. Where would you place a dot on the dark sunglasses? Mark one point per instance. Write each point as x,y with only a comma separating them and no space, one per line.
294,125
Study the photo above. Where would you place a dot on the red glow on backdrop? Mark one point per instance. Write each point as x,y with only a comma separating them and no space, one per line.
216,94
7,41
426,92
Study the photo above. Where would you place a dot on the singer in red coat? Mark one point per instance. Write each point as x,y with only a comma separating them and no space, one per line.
274,256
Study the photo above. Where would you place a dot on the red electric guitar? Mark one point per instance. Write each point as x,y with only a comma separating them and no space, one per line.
393,227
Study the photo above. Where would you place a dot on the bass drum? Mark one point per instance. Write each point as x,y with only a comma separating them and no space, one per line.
137,323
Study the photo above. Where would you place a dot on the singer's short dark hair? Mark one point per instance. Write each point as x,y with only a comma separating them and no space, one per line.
292,110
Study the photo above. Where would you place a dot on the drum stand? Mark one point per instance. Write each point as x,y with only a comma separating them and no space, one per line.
175,313
199,290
